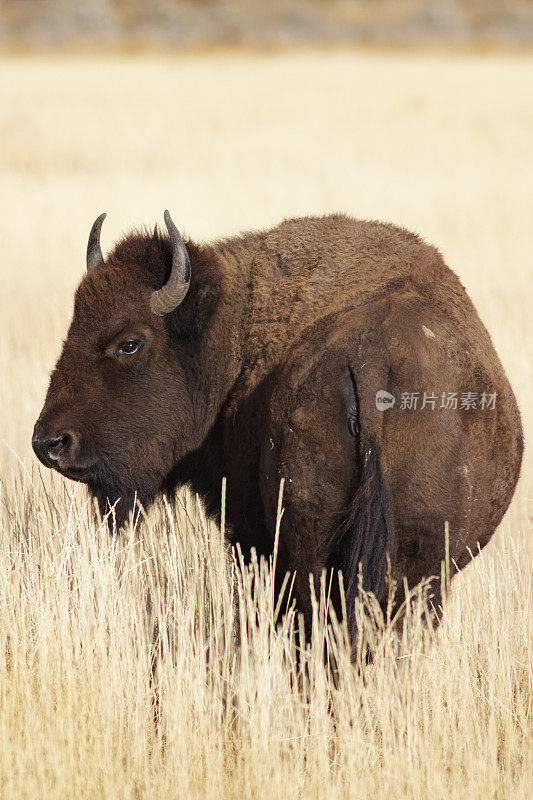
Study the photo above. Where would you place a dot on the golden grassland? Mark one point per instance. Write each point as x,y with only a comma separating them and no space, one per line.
441,145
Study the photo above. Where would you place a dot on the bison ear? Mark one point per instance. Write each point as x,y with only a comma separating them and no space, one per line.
190,319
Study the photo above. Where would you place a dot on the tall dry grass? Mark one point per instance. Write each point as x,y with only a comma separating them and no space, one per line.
94,630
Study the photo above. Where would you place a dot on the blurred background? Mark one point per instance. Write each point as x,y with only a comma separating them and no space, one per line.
194,23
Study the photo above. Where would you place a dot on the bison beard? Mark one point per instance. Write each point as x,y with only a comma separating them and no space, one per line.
116,500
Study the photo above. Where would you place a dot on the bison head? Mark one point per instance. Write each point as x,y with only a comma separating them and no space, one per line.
119,410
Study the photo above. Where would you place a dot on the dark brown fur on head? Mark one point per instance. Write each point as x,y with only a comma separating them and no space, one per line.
139,413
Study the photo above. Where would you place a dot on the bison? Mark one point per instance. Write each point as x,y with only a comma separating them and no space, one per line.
341,355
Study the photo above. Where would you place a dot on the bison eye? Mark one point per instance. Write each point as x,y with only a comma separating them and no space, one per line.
129,347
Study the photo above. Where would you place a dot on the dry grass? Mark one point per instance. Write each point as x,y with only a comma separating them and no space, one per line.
442,146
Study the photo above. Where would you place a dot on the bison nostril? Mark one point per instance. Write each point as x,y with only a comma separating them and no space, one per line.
62,441
54,447
58,444
51,448
61,451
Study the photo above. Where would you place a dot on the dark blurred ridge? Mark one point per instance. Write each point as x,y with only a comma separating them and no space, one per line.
195,23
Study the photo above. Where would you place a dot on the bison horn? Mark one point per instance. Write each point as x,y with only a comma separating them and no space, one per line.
95,258
166,299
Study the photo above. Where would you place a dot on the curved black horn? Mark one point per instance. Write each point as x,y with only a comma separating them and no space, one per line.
166,299
95,258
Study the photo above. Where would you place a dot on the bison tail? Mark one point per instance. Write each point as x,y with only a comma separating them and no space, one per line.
367,536
369,541
364,545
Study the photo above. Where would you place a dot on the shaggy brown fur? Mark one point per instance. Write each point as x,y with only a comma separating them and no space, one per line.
270,369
